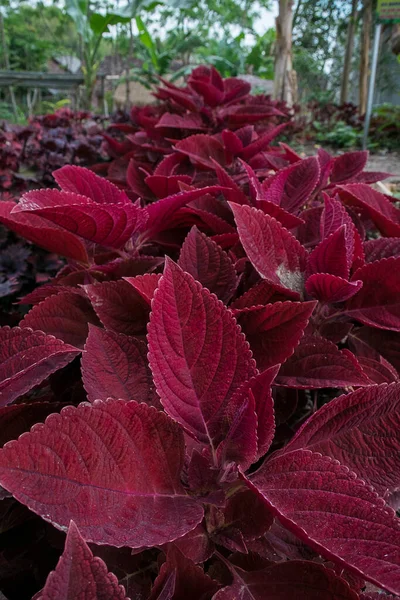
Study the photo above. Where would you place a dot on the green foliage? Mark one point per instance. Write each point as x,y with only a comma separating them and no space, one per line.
340,135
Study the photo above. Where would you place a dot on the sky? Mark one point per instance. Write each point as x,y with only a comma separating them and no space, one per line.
266,19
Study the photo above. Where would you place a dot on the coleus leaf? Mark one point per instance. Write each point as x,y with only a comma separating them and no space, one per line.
110,225
115,365
65,315
273,331
119,306
290,188
373,204
44,234
202,149
360,430
331,509
348,166
79,180
117,473
198,356
205,261
79,574
145,285
190,579
273,251
26,358
308,580
381,248
378,302
318,363
330,288
260,387
331,256
161,213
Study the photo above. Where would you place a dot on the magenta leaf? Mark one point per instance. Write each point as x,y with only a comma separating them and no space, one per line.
65,315
107,224
378,302
79,180
348,166
360,430
374,205
196,544
119,306
117,473
292,187
330,288
145,285
198,355
79,574
318,363
205,261
273,251
333,511
308,580
115,365
44,234
26,358
273,331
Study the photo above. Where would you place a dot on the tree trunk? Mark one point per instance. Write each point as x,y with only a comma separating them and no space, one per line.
364,60
285,81
344,91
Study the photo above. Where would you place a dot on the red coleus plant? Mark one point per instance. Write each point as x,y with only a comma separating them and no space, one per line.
231,429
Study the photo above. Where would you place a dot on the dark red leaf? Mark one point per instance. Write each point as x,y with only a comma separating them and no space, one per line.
202,150
44,234
348,166
206,262
318,363
274,252
117,473
198,355
273,331
360,430
26,358
374,205
307,580
378,302
328,507
381,248
65,315
115,366
79,574
330,288
107,224
79,180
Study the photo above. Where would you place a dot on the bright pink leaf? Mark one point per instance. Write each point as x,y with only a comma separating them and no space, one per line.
107,224
307,580
360,430
26,358
79,574
273,331
115,366
273,251
116,474
198,356
206,262
378,302
79,180
318,363
328,507
330,288
65,315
